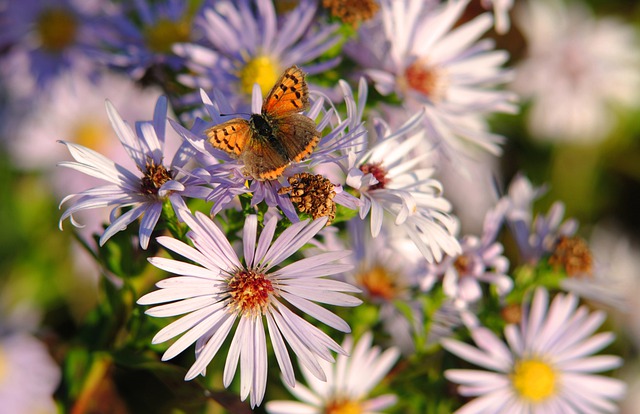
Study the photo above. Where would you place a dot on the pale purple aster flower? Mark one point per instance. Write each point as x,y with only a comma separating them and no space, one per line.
229,179
29,375
138,46
349,383
412,49
546,365
534,237
245,42
388,180
579,72
145,190
44,38
481,260
219,291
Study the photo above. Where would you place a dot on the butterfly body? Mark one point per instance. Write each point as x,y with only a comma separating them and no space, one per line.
269,141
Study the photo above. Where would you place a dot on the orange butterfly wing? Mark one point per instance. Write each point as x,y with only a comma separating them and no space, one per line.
231,136
289,95
297,135
265,158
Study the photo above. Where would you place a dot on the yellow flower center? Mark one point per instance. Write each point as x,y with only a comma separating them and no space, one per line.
91,134
57,29
162,36
343,407
379,282
534,380
261,70
285,6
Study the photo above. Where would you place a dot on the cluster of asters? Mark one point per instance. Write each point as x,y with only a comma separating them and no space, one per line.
367,199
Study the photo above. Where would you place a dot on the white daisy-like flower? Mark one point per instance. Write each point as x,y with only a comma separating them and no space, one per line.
144,193
413,50
546,367
388,180
348,384
578,72
219,292
28,375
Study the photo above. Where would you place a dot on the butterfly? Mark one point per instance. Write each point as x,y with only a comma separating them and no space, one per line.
269,141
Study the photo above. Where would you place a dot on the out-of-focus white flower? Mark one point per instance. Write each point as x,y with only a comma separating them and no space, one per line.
28,375
578,71
412,49
349,382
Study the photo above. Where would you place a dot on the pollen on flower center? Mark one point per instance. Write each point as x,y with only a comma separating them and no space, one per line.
378,172
378,281
573,255
154,177
57,29
425,79
534,380
161,36
343,406
249,292
312,194
261,70
462,264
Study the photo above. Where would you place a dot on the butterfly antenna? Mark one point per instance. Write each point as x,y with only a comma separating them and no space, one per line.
235,113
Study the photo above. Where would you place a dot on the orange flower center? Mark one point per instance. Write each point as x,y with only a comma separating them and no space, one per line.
250,292
425,79
379,282
343,406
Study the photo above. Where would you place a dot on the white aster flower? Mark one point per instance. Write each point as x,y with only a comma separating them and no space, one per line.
578,71
546,366
413,50
388,181
348,384
144,191
28,375
219,291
